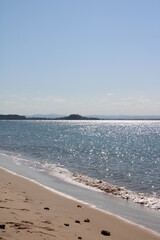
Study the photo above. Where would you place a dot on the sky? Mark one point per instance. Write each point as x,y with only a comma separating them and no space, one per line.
80,56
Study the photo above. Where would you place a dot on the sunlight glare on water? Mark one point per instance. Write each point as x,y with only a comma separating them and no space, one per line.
124,153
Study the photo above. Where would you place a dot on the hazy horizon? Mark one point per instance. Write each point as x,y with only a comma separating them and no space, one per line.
107,116
87,57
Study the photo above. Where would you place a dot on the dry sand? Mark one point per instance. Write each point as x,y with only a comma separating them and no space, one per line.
29,211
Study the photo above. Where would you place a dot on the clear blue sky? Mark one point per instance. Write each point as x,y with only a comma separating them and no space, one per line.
80,56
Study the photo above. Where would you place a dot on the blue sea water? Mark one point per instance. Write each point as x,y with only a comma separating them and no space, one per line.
118,153
123,153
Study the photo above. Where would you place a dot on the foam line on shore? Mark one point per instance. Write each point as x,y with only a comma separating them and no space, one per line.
147,200
82,202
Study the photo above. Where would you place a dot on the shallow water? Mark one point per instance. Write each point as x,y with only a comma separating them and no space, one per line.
126,209
123,153
121,157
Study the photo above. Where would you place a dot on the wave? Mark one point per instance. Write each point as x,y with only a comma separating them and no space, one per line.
59,171
147,200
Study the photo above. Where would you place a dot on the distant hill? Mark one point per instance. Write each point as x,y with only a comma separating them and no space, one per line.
76,117
12,117
45,117
93,117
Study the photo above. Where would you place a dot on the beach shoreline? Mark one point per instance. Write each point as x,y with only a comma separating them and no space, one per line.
29,210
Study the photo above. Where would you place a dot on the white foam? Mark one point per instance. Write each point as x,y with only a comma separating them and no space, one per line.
147,200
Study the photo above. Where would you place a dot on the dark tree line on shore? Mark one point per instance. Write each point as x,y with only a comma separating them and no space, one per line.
77,117
12,117
18,117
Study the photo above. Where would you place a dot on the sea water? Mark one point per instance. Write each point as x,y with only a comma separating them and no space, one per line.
119,158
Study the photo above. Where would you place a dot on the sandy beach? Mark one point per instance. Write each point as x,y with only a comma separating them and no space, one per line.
30,211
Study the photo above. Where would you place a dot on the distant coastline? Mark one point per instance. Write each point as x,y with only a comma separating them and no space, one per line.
70,117
12,117
79,117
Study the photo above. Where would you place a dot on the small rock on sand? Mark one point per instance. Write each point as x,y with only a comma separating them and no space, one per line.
87,220
105,233
79,206
77,221
2,226
46,208
66,224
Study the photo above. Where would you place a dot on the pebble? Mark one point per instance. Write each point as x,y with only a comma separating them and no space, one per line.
2,226
105,233
46,208
87,220
77,221
66,224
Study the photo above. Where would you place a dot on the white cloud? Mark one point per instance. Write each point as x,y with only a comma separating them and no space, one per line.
59,100
38,99
49,99
109,104
110,94
127,105
10,102
144,100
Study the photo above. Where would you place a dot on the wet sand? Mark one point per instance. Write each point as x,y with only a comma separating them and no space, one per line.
30,211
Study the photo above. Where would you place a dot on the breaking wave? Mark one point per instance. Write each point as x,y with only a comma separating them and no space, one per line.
59,171
147,200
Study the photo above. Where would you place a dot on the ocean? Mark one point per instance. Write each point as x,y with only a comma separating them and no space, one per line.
119,159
